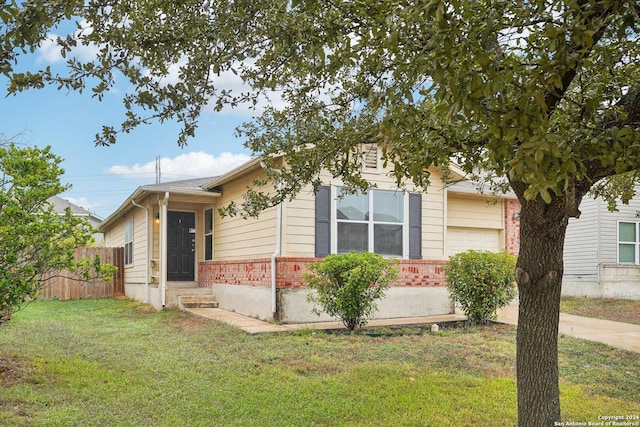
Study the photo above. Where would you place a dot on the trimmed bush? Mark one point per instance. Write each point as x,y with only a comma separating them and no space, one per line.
480,282
347,286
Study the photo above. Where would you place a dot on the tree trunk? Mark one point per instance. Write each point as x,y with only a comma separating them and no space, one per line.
539,276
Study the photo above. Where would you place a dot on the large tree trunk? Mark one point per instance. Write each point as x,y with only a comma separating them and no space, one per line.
539,276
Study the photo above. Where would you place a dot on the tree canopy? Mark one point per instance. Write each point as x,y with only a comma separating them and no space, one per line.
36,242
543,93
463,80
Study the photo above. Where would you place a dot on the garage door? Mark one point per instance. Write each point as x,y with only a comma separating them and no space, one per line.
460,239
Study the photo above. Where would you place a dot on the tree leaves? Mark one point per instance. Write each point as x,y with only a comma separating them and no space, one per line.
34,239
529,89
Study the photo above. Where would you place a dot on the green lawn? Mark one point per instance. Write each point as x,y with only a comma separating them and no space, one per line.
618,310
114,362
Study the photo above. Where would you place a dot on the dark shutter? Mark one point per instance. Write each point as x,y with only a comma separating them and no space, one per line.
323,221
415,226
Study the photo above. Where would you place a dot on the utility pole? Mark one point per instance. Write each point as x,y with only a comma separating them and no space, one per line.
158,172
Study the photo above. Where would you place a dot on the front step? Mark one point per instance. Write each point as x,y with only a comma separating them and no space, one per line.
197,301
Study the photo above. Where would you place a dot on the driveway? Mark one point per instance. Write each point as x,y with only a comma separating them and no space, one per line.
615,334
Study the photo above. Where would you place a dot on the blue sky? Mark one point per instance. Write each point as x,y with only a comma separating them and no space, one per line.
102,177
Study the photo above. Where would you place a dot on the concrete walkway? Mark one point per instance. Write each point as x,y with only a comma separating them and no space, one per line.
255,326
615,334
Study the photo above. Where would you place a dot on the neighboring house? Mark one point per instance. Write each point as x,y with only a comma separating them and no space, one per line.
176,243
61,205
602,251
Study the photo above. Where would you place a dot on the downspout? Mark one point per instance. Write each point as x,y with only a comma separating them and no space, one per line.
276,253
146,284
163,248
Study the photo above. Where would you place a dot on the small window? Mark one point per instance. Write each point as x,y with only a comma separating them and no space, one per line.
128,243
208,234
628,243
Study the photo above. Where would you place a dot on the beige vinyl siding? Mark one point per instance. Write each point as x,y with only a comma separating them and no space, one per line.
581,249
474,212
238,238
298,225
114,237
433,219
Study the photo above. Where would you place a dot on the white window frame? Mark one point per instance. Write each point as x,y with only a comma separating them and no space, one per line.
206,234
636,243
128,242
371,222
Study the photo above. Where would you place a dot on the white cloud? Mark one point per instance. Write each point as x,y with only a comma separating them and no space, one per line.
228,81
49,51
189,165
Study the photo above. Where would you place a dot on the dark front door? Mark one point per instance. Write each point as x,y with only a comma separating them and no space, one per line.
181,246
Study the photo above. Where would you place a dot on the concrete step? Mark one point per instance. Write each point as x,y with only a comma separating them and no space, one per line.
197,301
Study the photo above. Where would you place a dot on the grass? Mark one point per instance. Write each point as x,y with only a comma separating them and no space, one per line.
114,362
627,311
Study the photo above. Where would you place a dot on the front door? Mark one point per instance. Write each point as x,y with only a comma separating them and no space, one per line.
181,246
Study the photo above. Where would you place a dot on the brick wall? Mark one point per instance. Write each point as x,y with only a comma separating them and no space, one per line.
512,226
251,272
290,271
421,273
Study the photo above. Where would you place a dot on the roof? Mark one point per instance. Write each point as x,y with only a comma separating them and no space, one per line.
60,205
197,184
472,187
194,187
210,186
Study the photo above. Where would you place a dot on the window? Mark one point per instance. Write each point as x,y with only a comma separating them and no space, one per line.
128,243
628,243
327,219
208,234
373,221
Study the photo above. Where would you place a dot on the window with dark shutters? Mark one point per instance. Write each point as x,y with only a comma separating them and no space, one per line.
371,221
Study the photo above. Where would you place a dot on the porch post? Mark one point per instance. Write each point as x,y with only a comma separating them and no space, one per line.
163,247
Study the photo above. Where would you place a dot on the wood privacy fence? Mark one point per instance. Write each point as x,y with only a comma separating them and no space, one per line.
63,286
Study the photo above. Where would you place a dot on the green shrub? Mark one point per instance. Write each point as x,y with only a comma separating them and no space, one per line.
480,282
348,285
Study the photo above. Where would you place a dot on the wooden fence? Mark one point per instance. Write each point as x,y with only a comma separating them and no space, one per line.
63,287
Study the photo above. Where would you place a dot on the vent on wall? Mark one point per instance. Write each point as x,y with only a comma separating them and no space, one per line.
370,158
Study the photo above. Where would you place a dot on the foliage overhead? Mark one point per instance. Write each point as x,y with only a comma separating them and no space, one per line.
348,285
544,93
36,242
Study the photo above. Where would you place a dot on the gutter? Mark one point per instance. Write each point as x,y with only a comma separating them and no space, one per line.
163,248
147,277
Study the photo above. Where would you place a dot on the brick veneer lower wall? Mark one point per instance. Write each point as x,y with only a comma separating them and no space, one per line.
512,226
290,271
250,272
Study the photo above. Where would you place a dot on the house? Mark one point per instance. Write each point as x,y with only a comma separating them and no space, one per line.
602,251
176,243
61,205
